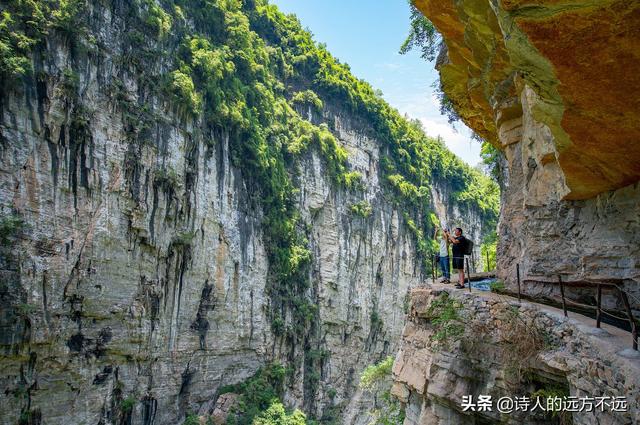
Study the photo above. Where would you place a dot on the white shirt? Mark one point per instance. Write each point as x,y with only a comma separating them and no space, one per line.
444,250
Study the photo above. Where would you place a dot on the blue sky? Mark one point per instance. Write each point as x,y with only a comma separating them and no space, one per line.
367,36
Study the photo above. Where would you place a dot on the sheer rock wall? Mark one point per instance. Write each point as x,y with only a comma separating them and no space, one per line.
136,287
142,288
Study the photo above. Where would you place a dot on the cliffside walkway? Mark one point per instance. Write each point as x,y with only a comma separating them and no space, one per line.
611,339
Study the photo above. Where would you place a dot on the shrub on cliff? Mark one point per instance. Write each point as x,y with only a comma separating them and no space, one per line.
25,23
10,226
308,98
377,380
257,394
361,209
374,374
276,415
444,315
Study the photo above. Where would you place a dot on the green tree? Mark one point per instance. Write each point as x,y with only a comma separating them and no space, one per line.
492,159
276,415
422,36
257,393
377,380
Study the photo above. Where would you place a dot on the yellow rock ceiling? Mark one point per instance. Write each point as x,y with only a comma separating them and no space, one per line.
582,58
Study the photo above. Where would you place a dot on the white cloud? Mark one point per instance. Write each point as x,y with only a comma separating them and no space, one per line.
424,105
457,140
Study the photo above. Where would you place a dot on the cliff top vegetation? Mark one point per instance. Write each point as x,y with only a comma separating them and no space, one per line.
243,71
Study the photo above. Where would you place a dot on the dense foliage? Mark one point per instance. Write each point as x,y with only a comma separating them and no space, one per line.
243,70
257,394
444,316
488,251
373,374
277,415
492,159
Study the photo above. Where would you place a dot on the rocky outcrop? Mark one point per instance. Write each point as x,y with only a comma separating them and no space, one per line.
547,82
594,239
574,55
506,349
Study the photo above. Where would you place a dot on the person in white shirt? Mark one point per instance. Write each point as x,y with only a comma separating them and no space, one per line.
440,236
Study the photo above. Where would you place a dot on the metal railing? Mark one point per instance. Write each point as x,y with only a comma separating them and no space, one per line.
435,266
600,311
564,300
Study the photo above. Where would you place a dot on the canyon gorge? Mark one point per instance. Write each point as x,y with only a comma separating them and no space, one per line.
546,83
181,211
197,199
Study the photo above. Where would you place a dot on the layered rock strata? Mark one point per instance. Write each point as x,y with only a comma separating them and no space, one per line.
509,350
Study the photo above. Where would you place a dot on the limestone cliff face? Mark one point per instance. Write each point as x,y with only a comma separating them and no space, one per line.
155,291
592,239
137,284
548,83
507,350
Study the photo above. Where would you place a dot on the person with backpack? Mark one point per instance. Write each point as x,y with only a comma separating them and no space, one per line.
459,246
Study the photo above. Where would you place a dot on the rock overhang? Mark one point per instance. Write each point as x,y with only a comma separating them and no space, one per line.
577,56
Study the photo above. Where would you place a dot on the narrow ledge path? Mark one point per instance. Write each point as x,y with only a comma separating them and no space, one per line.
609,339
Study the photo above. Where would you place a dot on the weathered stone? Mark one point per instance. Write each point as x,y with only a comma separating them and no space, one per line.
576,57
482,363
224,406
400,391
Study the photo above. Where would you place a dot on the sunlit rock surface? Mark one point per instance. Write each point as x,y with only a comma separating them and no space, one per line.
551,83
509,350
576,56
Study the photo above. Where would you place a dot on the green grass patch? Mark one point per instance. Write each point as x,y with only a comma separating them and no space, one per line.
444,315
361,209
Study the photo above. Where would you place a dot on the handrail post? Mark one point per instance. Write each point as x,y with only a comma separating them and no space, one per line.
599,311
433,276
464,277
468,275
564,304
632,322
518,279
473,261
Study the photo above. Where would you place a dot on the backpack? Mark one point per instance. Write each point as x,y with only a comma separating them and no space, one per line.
468,246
